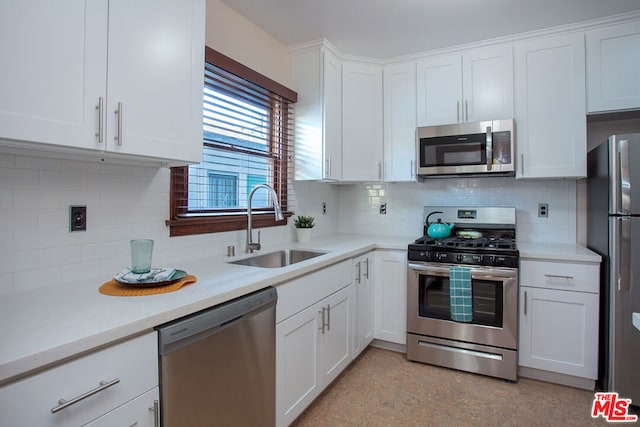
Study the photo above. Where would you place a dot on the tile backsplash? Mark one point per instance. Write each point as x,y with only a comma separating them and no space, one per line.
126,202
359,205
123,203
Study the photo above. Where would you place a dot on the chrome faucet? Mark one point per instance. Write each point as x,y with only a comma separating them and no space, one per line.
251,246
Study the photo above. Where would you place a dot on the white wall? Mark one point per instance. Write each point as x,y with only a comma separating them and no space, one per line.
359,205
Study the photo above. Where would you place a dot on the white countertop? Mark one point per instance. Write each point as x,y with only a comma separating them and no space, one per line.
45,326
557,252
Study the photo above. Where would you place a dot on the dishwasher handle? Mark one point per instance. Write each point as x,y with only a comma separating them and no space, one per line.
180,333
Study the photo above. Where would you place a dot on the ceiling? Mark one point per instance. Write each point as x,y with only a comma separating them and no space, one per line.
389,28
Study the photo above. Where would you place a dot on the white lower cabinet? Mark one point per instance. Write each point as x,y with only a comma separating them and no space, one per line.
559,304
312,348
119,375
390,289
314,319
363,313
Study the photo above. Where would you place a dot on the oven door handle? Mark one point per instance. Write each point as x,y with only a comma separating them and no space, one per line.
488,273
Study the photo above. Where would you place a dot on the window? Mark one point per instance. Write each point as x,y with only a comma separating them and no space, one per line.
247,131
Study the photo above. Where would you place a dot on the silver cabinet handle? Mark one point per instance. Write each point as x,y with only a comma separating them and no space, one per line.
380,171
62,403
489,148
322,325
458,111
521,164
118,113
525,303
413,172
558,276
366,263
328,317
466,110
358,272
100,108
156,413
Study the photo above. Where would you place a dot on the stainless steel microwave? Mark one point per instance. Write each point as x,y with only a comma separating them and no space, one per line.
466,148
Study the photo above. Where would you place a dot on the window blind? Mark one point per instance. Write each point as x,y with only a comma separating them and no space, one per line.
247,140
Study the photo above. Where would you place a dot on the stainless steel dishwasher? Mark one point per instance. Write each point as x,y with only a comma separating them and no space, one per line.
217,366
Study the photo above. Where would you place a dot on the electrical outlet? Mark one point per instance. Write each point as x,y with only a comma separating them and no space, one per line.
543,210
324,208
383,208
77,218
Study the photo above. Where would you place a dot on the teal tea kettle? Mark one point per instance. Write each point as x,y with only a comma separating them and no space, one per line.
438,230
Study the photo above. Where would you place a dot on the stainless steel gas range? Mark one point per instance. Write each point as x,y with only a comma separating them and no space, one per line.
462,295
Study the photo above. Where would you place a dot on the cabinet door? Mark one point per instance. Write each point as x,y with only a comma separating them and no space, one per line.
550,107
155,78
54,67
332,116
361,122
335,337
142,411
399,122
439,90
613,67
390,284
363,282
559,331
488,84
297,364
117,374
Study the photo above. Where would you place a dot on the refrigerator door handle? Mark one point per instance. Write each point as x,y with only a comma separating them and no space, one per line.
625,178
622,253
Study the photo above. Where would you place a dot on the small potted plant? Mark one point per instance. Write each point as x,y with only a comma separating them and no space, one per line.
304,224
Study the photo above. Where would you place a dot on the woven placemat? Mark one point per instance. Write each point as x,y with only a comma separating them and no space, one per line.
114,288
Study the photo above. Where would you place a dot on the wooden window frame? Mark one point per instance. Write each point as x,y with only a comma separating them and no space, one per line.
184,224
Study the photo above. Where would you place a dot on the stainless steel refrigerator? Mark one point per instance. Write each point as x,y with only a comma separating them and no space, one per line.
613,231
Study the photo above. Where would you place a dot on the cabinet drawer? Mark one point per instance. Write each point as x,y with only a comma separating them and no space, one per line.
300,293
565,276
30,401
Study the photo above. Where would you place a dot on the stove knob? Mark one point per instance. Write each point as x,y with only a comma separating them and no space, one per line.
459,258
491,259
442,257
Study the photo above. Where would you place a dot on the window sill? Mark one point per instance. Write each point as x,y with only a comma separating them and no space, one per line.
187,226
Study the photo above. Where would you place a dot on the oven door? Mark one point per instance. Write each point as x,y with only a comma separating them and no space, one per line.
494,305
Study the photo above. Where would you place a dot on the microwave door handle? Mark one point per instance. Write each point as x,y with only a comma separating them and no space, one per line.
489,148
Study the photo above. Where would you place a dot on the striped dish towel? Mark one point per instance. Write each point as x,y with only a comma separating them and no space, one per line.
460,299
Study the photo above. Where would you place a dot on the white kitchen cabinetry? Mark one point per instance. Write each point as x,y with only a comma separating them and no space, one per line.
363,268
316,75
390,289
399,122
123,372
314,319
123,78
362,122
474,86
550,107
613,67
559,304
143,411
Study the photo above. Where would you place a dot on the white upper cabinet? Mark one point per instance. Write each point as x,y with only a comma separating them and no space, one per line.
399,122
613,67
316,75
474,86
54,70
550,107
361,122
68,67
155,76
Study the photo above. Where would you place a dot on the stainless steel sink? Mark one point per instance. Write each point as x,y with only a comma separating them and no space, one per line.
279,258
